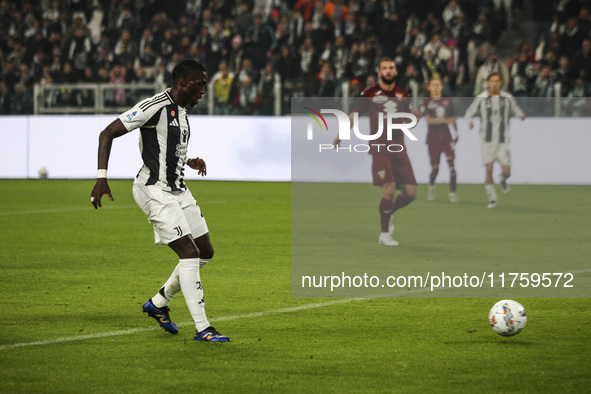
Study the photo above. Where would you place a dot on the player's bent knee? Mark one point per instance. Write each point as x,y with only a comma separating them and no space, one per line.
206,252
410,196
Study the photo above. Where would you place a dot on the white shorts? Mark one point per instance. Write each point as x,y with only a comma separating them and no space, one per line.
491,152
173,214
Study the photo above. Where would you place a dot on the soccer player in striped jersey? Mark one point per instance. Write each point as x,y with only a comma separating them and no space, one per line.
159,190
438,111
495,109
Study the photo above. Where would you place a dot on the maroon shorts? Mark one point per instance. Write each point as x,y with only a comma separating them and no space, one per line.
435,152
388,168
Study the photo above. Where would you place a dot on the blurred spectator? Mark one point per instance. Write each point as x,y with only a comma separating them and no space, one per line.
479,42
432,66
10,76
450,14
67,74
6,98
415,38
564,75
79,51
236,54
137,94
454,69
324,84
308,59
581,65
147,60
22,101
411,79
102,75
162,76
268,80
286,66
519,76
66,98
125,49
572,37
258,40
146,40
246,71
550,60
336,11
543,86
577,103
222,82
362,61
306,7
491,65
166,46
219,44
551,42
26,77
243,19
116,96
247,99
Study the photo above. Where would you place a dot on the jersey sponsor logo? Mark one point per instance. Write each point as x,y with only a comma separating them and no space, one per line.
181,150
379,99
174,122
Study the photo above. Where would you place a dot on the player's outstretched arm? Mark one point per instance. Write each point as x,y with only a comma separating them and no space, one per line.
101,187
199,165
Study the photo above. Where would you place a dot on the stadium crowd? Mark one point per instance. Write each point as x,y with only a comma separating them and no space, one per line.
308,47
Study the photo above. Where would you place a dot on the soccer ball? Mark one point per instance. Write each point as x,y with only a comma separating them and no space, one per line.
507,318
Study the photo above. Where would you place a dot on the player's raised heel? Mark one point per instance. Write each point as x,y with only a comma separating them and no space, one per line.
161,315
492,204
210,334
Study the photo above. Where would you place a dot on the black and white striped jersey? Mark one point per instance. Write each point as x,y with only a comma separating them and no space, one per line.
495,113
164,136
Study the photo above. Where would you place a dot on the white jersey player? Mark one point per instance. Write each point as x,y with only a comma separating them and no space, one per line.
159,190
495,109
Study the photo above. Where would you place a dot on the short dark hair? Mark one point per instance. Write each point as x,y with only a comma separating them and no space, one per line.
495,74
185,68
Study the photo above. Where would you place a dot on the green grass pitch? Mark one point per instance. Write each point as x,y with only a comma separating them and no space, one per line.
74,279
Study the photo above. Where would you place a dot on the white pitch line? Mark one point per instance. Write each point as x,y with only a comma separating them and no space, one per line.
137,330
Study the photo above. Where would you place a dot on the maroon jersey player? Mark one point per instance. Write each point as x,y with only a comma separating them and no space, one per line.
391,169
438,111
